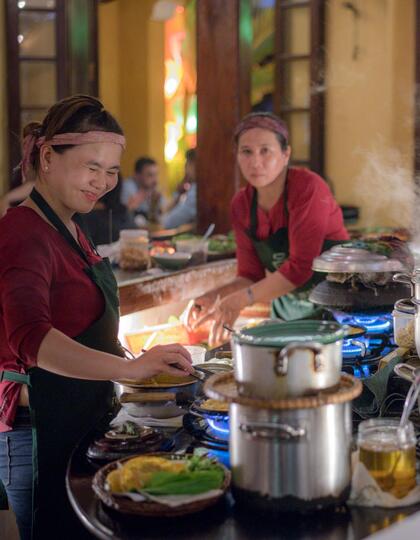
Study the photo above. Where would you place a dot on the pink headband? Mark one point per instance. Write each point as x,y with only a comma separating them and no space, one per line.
263,122
30,141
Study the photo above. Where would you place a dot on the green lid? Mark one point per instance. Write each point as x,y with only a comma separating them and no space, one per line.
279,334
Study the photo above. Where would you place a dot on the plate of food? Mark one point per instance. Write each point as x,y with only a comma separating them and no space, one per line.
221,246
210,407
161,485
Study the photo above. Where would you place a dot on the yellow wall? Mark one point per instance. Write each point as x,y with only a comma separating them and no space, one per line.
3,105
131,76
369,108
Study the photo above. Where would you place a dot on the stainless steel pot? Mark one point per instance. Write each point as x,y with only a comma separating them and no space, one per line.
290,459
281,360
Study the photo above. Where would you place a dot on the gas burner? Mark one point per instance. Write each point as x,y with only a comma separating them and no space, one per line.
362,353
367,346
361,368
210,435
210,432
374,322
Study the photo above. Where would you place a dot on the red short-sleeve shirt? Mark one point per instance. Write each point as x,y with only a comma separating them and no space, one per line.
42,286
314,216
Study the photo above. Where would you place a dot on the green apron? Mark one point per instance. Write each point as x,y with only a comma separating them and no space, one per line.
272,252
64,409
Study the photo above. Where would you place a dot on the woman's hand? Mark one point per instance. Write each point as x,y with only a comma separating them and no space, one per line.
199,309
224,314
173,359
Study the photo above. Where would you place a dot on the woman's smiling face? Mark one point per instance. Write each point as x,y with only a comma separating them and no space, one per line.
81,175
260,157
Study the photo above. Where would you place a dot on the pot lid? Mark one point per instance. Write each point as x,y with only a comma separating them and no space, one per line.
406,306
349,259
279,334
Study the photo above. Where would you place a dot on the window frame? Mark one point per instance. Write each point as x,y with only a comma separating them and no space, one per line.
13,65
316,58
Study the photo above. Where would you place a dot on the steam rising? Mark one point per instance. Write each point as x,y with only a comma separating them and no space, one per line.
388,184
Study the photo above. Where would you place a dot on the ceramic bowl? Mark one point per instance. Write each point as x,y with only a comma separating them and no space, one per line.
172,261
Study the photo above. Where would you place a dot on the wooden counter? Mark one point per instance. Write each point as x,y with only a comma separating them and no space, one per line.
140,290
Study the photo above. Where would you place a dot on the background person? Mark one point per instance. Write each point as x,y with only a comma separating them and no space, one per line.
140,193
183,208
283,219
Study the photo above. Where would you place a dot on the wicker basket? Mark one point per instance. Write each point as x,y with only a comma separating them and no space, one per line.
151,508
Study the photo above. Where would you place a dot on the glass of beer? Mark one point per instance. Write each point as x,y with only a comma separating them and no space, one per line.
388,452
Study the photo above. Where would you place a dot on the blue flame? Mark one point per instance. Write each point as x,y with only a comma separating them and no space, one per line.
376,323
219,427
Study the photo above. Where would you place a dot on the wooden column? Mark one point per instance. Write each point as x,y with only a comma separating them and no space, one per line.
224,36
417,97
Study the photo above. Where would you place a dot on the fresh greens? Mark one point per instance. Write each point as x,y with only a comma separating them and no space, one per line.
186,236
184,482
128,428
220,243
200,474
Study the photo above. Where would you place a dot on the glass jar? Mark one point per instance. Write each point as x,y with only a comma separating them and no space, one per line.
196,247
404,316
389,454
134,249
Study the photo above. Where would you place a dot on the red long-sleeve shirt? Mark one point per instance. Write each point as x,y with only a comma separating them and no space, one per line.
42,286
314,216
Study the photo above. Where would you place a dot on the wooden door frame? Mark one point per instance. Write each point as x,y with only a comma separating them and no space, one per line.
417,94
316,57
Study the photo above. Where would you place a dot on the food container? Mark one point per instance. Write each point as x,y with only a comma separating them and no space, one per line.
284,359
388,451
196,247
291,454
198,354
134,249
404,317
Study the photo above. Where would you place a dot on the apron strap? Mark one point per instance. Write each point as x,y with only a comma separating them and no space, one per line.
58,224
14,376
254,210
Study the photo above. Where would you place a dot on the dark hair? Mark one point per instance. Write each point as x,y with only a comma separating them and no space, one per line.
191,154
283,141
143,162
74,114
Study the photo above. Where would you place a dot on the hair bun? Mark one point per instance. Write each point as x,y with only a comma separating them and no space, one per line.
33,128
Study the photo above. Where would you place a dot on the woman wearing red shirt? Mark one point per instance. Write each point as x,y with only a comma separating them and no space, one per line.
59,315
282,219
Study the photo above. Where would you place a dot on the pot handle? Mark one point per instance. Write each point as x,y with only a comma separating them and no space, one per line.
272,431
282,357
404,278
402,369
361,345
